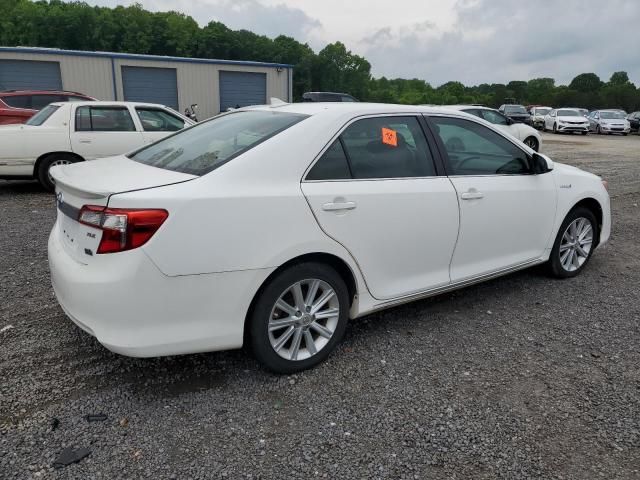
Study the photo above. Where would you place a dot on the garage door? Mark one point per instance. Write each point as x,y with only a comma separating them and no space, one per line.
29,75
240,89
152,85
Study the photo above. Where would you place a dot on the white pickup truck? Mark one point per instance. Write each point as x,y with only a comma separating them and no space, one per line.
63,133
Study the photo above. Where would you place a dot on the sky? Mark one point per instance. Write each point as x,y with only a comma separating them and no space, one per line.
472,41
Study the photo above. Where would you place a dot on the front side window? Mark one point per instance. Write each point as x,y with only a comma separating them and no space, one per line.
494,117
42,116
18,101
208,145
155,120
104,119
474,149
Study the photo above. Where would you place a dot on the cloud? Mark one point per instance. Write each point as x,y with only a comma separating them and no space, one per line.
253,15
500,40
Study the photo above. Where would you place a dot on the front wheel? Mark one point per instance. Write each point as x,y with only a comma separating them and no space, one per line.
555,128
532,143
299,317
584,133
574,244
43,174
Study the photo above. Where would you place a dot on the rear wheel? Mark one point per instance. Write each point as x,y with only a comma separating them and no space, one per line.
299,317
43,173
574,244
532,143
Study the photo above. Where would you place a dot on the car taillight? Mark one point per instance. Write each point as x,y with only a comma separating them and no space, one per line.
122,228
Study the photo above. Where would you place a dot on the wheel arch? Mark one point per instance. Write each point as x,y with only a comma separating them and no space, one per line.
595,207
42,157
337,263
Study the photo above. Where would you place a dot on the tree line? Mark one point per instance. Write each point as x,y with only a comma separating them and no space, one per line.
79,26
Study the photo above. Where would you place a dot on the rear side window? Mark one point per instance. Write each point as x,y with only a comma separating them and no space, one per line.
473,149
493,117
104,119
18,101
208,145
42,116
332,165
388,147
38,102
155,120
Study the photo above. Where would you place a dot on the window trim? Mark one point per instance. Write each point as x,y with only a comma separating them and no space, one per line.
437,161
445,155
105,107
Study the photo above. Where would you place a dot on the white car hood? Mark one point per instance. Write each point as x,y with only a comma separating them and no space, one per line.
106,176
573,119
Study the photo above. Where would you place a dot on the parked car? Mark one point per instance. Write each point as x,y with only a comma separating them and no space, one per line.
566,120
17,106
634,121
537,116
609,121
279,224
327,97
526,134
71,132
517,113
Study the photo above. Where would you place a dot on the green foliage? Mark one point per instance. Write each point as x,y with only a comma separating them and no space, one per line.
79,26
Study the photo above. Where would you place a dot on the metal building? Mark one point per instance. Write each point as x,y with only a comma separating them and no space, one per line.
177,82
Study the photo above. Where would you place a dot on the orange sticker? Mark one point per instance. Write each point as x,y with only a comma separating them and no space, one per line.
389,137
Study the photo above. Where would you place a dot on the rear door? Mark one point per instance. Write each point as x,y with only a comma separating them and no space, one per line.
507,213
103,131
157,123
376,190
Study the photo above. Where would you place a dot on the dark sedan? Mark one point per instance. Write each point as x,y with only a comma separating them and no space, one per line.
634,120
517,113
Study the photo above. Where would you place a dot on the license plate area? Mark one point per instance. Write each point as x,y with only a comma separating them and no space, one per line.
79,241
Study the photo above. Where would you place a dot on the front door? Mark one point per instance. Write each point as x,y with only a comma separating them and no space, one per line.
376,192
506,212
104,131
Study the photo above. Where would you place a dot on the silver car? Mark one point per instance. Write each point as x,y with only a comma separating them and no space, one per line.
609,121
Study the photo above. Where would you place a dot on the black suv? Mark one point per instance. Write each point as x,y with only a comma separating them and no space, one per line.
517,113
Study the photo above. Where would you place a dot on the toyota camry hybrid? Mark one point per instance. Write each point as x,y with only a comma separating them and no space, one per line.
275,225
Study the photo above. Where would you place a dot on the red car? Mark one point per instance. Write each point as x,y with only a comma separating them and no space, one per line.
17,106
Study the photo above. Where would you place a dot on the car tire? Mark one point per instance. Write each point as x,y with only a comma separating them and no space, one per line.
45,165
532,142
566,259
624,134
280,336
585,133
555,128
598,131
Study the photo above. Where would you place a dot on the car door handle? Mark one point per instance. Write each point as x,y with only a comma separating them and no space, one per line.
85,141
336,206
472,195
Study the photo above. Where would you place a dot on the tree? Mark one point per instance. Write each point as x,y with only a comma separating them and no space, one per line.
586,83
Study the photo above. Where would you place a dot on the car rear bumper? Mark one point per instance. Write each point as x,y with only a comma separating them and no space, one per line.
134,309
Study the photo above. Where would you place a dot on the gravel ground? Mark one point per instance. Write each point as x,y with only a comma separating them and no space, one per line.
520,377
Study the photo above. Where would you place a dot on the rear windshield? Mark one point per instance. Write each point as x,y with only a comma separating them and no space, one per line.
204,147
42,116
568,113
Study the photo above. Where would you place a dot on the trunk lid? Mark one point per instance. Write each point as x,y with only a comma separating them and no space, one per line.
92,183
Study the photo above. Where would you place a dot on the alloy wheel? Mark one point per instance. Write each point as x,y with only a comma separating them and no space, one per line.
532,143
576,244
303,319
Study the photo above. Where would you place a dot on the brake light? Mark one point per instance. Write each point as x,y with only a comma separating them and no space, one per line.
122,228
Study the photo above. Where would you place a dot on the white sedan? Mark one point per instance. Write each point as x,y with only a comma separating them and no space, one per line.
566,120
526,134
275,225
70,132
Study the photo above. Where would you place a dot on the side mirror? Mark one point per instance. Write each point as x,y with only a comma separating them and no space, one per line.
540,164
509,121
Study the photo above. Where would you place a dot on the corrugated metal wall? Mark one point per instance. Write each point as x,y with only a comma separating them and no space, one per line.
197,82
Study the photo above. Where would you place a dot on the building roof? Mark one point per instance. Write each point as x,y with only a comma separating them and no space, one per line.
137,56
